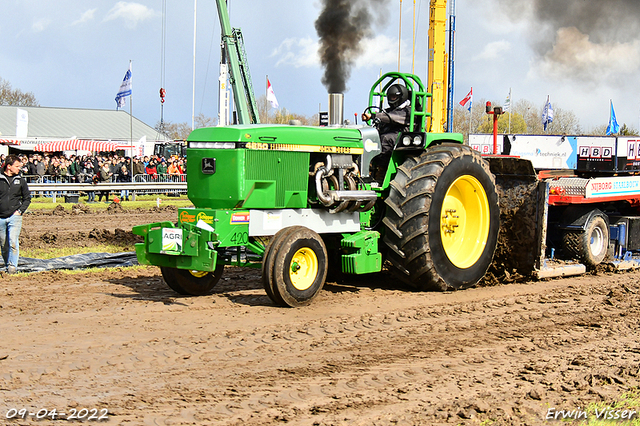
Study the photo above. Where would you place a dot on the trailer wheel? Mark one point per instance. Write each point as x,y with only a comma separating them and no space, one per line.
194,283
590,245
296,267
442,219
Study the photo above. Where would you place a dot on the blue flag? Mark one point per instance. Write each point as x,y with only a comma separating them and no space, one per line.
613,123
125,88
547,114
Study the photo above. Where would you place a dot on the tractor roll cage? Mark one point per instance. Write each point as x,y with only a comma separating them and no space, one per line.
417,95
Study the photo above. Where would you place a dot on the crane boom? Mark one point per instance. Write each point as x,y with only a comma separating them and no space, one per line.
239,76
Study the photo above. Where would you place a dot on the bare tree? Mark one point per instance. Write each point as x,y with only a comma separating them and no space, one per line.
565,122
465,121
532,116
204,121
282,115
625,130
518,125
526,117
600,130
180,131
175,131
628,131
15,97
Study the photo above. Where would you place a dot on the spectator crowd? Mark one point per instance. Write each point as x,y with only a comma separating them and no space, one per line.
100,168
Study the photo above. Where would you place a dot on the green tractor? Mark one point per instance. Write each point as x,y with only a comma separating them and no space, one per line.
301,203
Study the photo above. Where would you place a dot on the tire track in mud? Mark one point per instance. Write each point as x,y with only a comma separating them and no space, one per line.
466,346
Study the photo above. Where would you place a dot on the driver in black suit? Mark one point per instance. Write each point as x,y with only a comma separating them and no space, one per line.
390,123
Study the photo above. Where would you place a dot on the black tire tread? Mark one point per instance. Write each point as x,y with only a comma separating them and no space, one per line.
571,243
182,282
268,262
410,199
577,243
293,298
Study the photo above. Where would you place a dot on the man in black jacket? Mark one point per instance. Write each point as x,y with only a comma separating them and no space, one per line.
15,198
124,176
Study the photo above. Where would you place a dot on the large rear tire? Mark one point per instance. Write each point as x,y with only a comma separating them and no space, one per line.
194,283
442,219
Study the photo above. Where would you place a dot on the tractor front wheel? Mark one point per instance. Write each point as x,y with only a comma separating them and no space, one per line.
194,283
268,261
442,218
295,267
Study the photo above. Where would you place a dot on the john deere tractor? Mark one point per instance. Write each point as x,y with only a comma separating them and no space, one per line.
301,202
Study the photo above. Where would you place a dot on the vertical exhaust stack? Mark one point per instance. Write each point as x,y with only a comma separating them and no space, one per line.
336,109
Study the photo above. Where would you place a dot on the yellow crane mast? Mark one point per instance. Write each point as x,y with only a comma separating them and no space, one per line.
437,78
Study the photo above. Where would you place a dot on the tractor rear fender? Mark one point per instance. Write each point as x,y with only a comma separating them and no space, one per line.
511,167
522,213
429,140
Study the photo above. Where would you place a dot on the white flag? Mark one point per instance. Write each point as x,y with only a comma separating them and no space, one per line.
271,97
125,88
22,123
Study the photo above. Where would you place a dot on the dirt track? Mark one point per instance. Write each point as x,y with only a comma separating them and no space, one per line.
365,353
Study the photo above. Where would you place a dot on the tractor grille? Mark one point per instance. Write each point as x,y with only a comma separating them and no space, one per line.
290,171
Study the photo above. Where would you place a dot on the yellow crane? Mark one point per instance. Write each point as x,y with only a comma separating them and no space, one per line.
438,69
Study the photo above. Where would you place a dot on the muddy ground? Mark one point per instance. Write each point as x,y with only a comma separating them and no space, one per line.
369,352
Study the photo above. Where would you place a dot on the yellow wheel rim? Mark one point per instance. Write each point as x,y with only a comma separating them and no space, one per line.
304,269
198,274
465,221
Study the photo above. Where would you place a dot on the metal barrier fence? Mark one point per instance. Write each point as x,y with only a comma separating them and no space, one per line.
87,178
161,179
50,186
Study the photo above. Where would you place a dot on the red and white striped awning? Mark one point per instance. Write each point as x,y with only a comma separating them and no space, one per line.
76,145
9,142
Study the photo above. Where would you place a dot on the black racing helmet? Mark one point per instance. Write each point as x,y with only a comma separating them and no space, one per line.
397,94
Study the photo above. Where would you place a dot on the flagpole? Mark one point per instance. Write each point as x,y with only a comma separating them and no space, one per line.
399,35
510,102
413,53
131,131
131,116
546,115
193,94
266,94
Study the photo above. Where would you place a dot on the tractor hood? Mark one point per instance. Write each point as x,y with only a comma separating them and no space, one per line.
279,137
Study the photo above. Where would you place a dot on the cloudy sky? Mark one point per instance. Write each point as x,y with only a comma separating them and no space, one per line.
74,53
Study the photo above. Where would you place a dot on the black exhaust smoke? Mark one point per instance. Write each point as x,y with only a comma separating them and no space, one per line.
342,26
